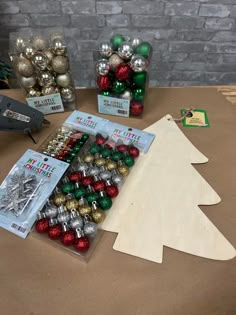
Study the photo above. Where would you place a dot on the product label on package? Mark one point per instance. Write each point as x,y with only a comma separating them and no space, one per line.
113,106
195,118
86,122
47,104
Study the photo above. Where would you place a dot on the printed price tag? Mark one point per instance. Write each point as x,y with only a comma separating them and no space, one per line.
113,106
47,104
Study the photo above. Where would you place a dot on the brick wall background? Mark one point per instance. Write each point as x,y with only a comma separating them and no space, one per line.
194,41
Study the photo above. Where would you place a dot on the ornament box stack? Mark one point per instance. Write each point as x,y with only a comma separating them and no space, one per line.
122,66
41,63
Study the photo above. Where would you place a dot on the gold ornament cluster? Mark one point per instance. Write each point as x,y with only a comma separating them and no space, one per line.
42,66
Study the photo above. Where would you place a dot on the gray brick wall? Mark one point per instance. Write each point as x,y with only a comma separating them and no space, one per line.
194,41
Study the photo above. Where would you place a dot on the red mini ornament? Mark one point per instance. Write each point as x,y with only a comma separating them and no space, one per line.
68,238
133,151
122,147
122,71
99,185
72,141
82,244
87,180
136,109
42,225
75,176
112,191
55,232
60,157
103,82
100,140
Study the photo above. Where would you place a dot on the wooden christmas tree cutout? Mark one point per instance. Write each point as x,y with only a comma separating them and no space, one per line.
160,203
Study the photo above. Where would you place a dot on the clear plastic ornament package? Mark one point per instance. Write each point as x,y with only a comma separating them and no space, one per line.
122,66
98,168
41,62
26,189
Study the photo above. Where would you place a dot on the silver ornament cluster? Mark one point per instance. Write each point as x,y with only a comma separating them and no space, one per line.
42,66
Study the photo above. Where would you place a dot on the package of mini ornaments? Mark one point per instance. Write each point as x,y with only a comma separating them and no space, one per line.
122,75
41,63
70,219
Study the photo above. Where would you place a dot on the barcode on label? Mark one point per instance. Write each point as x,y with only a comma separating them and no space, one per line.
122,112
18,228
56,107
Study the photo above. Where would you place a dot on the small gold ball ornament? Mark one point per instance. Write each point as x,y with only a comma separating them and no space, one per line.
123,170
39,42
60,64
64,80
27,82
67,94
58,47
24,67
33,93
111,165
40,60
98,215
88,158
45,78
100,162
29,51
59,199
72,204
85,209
47,90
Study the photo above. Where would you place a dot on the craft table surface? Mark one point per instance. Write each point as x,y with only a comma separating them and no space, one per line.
37,279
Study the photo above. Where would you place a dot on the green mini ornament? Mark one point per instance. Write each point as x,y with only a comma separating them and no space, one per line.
68,159
105,93
119,87
116,40
95,148
77,148
129,161
138,94
84,137
67,188
144,49
106,152
92,196
73,154
140,79
105,203
80,192
117,156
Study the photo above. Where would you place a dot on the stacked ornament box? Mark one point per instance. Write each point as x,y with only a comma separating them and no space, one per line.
122,75
40,60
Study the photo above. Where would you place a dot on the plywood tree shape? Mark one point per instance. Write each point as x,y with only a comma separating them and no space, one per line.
160,203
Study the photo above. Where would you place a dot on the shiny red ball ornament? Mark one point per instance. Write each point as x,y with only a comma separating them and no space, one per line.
136,109
99,185
60,157
112,191
122,147
100,140
72,141
55,232
42,225
68,238
103,82
75,176
122,71
64,152
82,244
133,151
87,180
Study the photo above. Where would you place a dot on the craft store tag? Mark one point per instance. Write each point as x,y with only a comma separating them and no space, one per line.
195,118
113,106
86,122
127,135
47,104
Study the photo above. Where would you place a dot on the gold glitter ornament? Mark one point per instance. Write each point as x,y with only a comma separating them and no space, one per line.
67,94
98,215
59,199
111,165
27,82
72,204
45,78
88,158
123,170
58,47
47,90
64,80
60,64
40,42
33,93
85,209
40,60
29,51
24,67
100,162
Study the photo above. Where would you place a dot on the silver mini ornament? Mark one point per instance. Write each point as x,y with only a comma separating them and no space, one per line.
51,212
63,217
27,82
46,78
125,50
90,229
117,179
40,60
94,170
104,174
105,49
40,42
58,47
135,42
60,64
24,67
76,221
102,67
138,63
67,94
114,61
64,80
20,44
127,95
29,51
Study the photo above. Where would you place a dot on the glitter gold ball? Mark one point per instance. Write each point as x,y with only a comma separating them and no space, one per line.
59,199
100,162
72,204
64,80
85,209
98,215
60,64
123,170
39,42
24,67
111,165
88,158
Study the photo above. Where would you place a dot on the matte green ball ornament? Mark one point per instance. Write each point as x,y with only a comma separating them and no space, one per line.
95,148
106,152
80,192
119,87
129,161
117,156
116,40
67,188
140,79
92,196
144,49
105,93
139,94
105,203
